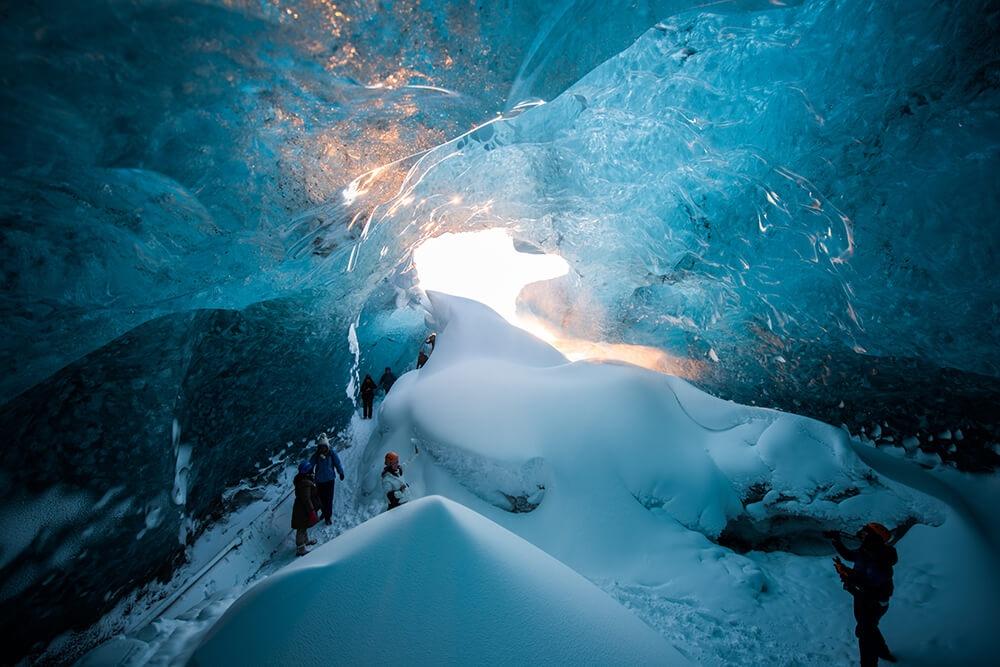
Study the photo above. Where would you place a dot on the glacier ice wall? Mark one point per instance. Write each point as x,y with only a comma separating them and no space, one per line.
801,197
822,174
157,156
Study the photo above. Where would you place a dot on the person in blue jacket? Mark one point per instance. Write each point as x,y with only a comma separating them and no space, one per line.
327,467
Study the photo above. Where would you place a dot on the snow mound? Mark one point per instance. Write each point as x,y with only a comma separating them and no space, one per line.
430,583
580,458
485,335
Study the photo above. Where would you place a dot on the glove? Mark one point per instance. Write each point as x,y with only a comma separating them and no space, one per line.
341,478
844,572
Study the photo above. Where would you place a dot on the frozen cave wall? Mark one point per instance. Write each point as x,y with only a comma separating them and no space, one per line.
114,463
802,199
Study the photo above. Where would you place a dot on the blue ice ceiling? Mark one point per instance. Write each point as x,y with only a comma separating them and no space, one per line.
801,197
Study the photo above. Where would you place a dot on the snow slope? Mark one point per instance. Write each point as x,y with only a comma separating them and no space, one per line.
633,478
430,583
613,454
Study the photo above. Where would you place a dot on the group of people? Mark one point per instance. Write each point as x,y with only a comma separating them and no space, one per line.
314,487
314,483
369,387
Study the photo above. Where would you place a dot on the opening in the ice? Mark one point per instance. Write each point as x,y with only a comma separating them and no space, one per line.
486,267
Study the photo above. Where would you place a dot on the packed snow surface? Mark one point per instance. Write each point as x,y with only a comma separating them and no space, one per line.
430,583
613,454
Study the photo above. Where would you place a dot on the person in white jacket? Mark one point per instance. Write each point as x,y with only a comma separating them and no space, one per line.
393,484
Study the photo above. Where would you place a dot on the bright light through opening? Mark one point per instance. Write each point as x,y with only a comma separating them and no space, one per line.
485,267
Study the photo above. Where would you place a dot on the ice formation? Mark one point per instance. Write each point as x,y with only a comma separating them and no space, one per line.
760,200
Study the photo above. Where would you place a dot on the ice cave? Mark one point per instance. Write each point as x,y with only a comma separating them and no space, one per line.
454,332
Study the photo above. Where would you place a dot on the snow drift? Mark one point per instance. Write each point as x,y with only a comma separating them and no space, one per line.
430,583
602,455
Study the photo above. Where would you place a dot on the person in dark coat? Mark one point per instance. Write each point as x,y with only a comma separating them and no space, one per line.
870,582
326,467
368,388
387,380
304,509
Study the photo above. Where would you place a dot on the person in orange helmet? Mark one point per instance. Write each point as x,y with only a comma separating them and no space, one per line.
870,583
393,484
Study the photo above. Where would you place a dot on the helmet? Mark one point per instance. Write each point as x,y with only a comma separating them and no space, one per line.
880,530
391,457
305,467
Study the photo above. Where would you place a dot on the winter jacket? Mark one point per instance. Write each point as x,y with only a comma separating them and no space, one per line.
368,388
386,381
872,572
306,501
328,467
394,486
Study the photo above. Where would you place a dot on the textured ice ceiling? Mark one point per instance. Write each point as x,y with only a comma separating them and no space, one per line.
199,198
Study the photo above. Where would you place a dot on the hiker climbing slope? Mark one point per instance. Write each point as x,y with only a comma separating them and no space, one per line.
393,484
426,350
387,380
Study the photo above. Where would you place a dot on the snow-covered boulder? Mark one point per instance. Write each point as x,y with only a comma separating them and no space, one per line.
430,583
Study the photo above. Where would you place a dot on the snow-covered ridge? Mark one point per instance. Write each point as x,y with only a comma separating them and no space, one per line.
619,439
430,583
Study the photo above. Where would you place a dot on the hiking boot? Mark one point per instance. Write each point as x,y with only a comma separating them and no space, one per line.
328,521
311,542
301,551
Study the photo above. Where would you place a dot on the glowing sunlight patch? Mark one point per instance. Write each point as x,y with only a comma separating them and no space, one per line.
485,267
